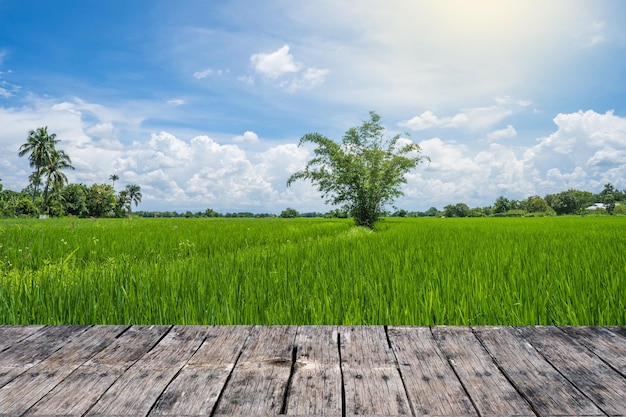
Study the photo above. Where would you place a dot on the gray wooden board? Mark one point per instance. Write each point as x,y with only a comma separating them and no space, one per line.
316,381
22,392
548,392
10,335
31,350
490,391
431,384
372,381
237,370
607,345
585,370
83,387
196,389
259,381
618,330
138,389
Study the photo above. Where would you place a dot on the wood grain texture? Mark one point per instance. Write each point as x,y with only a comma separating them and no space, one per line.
311,370
82,389
259,382
24,391
490,391
538,382
28,352
431,384
607,345
316,380
196,389
370,373
603,385
10,335
138,389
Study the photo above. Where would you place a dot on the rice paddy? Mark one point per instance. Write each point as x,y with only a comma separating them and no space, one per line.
471,271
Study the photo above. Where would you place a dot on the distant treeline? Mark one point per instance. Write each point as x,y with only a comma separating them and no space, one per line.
101,200
570,202
79,200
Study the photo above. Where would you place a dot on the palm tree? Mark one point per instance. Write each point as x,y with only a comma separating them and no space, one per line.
58,161
133,193
40,145
122,202
113,178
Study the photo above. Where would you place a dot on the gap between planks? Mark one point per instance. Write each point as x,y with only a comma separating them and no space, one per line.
311,370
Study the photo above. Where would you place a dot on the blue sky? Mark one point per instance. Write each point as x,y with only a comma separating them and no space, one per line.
202,103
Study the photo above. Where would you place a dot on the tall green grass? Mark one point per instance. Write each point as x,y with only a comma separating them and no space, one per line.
563,271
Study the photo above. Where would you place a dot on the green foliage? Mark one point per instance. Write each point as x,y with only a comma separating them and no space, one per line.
289,213
502,205
26,207
75,198
457,210
101,200
133,194
39,146
609,196
620,209
428,271
537,204
431,212
210,213
570,201
363,173
48,161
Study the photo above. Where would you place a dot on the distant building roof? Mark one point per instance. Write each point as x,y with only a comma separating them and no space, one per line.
597,206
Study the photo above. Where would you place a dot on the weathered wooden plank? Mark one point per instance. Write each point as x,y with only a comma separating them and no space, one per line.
372,382
619,330
81,389
10,335
259,380
548,392
40,359
490,391
197,387
137,390
31,350
604,343
316,380
22,392
430,382
586,371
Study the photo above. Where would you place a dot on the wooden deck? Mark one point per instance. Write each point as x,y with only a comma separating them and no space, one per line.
310,370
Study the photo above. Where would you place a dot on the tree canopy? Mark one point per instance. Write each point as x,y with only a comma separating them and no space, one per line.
364,172
49,193
47,160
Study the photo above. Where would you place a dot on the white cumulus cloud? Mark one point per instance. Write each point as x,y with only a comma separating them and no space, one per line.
474,118
508,132
247,137
275,64
585,150
429,120
282,65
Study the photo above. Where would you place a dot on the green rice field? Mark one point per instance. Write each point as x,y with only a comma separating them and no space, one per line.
427,271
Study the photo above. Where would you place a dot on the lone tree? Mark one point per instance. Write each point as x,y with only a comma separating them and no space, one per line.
113,178
363,173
